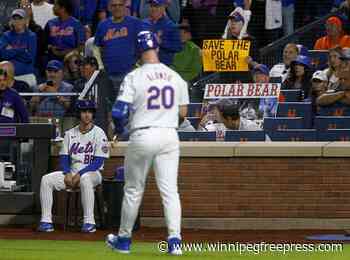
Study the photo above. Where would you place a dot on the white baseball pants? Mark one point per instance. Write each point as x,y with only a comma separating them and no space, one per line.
158,147
55,181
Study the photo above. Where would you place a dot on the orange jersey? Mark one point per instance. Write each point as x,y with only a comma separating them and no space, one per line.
325,43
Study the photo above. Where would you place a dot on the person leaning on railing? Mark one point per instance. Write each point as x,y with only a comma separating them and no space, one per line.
340,95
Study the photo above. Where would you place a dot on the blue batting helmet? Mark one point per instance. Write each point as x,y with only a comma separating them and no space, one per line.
87,104
146,40
303,60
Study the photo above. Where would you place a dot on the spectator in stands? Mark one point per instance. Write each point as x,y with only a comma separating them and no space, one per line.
229,119
42,12
267,106
19,46
319,83
18,85
71,67
236,29
335,35
290,53
334,63
299,76
64,33
339,96
55,106
115,39
172,9
188,62
39,66
101,90
12,107
167,33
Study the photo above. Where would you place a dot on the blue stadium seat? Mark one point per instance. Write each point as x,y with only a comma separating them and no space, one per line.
244,136
194,109
334,135
290,95
296,109
194,121
197,136
303,135
319,59
338,109
323,123
281,123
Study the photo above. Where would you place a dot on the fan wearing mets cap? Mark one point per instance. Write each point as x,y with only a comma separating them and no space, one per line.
151,98
82,156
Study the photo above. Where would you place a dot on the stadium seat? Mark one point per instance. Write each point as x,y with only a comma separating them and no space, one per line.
290,95
296,109
334,135
337,109
244,136
281,123
194,121
194,109
197,136
303,135
319,59
324,123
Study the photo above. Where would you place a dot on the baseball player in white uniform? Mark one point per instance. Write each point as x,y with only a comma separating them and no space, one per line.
154,96
84,150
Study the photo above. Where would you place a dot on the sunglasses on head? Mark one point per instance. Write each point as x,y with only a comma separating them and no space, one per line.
3,72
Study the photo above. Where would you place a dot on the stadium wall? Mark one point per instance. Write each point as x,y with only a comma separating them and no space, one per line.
255,186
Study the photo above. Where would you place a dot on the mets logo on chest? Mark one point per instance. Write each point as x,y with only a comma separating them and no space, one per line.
77,148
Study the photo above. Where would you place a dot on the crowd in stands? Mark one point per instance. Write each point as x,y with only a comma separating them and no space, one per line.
88,46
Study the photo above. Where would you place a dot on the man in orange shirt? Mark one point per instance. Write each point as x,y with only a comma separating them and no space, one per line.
335,36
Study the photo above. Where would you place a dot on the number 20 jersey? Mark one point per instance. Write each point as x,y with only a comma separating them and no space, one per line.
82,148
155,93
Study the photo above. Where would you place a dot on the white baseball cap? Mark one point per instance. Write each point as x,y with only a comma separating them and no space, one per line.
320,75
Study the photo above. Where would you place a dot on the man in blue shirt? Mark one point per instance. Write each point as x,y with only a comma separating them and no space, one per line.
64,33
168,34
116,39
12,108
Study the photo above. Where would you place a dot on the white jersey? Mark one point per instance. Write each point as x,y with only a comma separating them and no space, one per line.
155,92
279,70
83,147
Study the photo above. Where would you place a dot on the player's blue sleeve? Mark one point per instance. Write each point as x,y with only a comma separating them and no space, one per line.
96,164
65,163
120,114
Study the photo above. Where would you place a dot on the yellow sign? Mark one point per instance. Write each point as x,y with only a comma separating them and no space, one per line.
225,55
